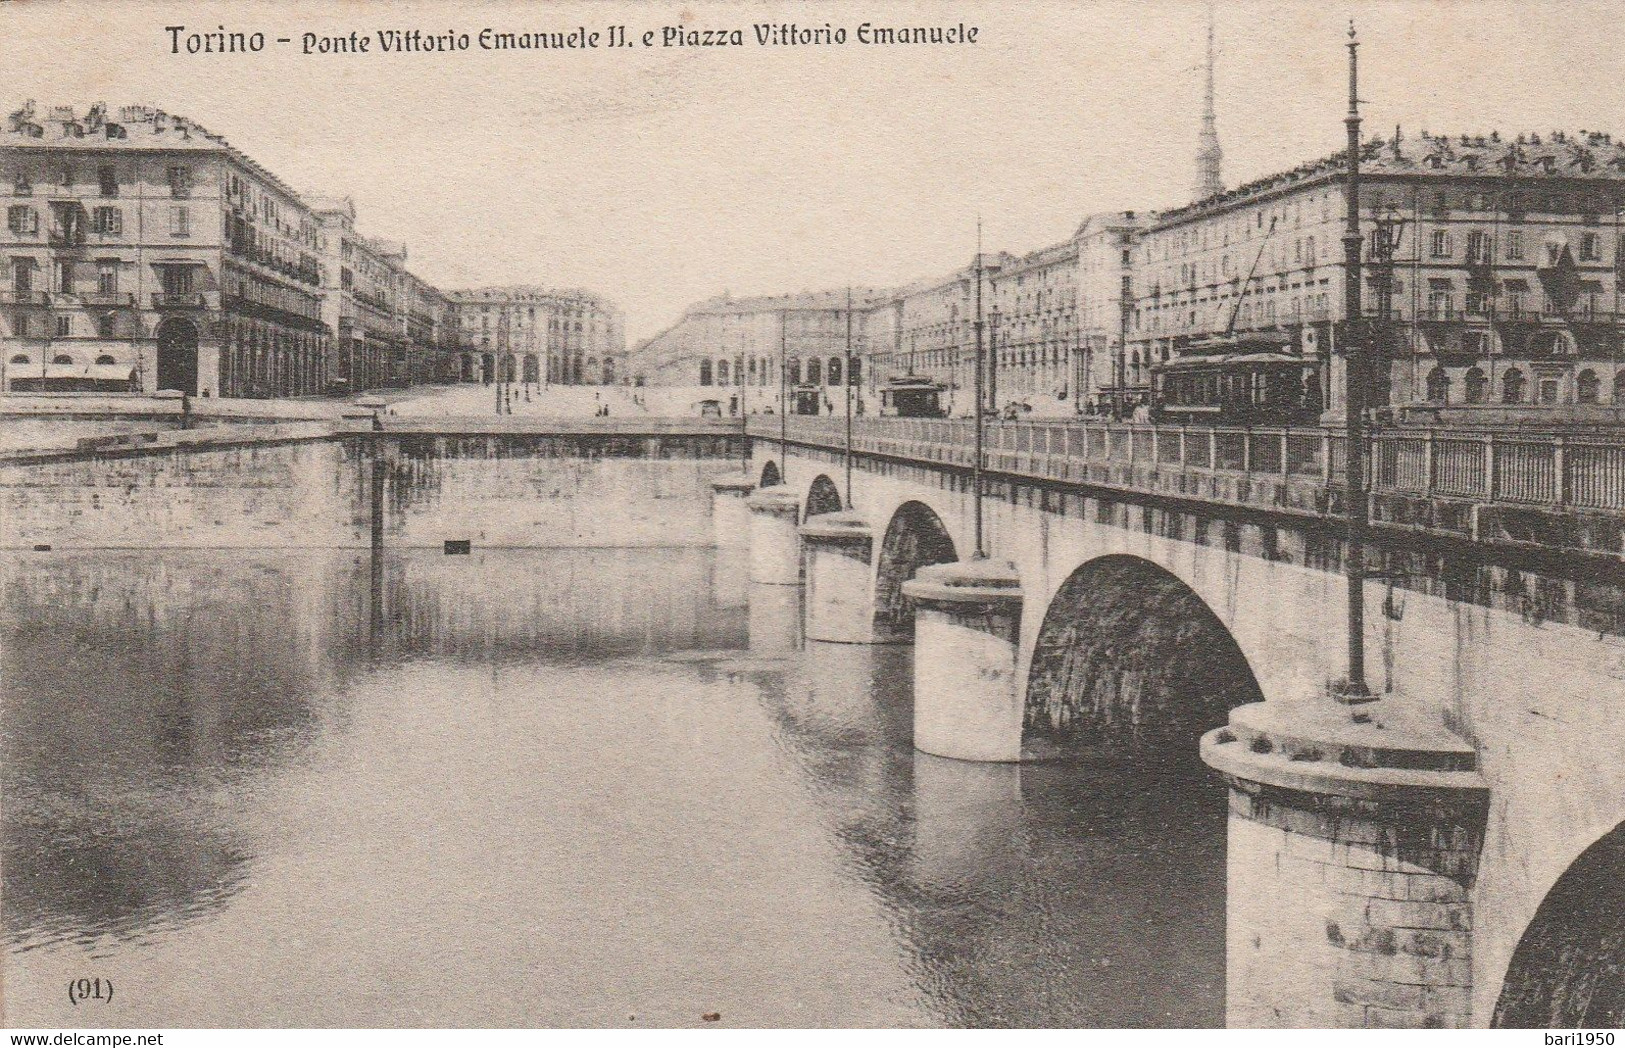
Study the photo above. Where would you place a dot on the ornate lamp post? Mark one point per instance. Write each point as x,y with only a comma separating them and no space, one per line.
1353,689
846,380
981,420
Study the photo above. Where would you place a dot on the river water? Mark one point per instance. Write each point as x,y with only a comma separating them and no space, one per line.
546,788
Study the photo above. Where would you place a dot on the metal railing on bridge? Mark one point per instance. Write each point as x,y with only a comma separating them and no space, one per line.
1563,469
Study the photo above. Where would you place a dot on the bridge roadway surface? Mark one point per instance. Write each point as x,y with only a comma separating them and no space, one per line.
1390,862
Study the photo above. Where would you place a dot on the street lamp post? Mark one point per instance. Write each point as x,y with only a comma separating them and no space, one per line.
744,416
784,399
1353,688
981,422
846,380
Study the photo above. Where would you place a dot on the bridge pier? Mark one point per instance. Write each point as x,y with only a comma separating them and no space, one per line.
775,546
730,520
1353,851
967,631
838,549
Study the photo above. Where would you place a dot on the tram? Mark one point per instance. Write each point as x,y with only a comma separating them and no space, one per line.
1237,389
913,396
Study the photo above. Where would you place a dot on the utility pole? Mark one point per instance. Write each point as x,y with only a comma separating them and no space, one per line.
744,416
846,380
1121,368
981,422
784,400
1353,688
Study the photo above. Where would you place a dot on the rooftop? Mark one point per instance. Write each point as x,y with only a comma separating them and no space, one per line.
1587,155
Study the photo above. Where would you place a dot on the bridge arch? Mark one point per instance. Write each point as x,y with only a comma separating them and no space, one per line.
914,538
1131,663
770,475
822,497
1568,968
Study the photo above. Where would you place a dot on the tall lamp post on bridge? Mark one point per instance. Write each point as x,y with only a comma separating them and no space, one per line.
846,380
1352,689
784,398
744,416
981,407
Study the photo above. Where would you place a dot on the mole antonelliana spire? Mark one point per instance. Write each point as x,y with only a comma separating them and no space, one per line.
1209,156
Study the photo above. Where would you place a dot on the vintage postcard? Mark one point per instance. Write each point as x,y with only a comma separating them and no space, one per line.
861,514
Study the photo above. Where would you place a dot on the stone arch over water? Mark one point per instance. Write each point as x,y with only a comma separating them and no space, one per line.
823,497
1130,663
1569,967
770,475
914,538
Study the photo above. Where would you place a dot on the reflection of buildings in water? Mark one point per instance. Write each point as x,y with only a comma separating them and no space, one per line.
775,618
131,678
562,603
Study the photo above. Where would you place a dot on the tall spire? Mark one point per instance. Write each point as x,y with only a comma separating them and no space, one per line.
1209,156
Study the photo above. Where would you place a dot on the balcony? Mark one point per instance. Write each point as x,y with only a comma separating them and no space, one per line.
67,238
107,298
12,297
179,300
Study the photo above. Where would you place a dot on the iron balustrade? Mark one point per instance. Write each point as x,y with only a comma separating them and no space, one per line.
1516,467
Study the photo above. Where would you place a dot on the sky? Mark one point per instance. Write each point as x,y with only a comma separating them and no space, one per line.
662,176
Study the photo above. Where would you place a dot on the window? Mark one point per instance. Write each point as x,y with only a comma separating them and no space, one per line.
1587,388
107,179
20,326
1549,389
22,220
64,328
64,276
1476,384
1441,243
22,275
705,372
107,277
104,329
1515,245
19,358
1438,391
180,222
1439,304
21,184
1478,248
1477,302
62,358
64,176
1512,384
180,182
106,358
107,221
1476,343
1590,247
815,372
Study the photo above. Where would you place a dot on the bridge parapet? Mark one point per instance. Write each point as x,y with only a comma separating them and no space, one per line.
1561,489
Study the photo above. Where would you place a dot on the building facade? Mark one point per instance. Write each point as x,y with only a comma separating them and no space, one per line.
1493,284
774,353
145,253
538,335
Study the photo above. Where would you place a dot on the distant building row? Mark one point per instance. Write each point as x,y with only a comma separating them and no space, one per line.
143,252
1503,276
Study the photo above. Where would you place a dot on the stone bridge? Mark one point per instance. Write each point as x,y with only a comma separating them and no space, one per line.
1448,854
